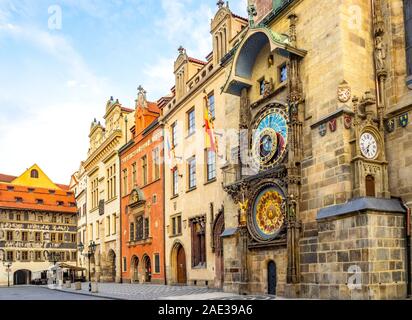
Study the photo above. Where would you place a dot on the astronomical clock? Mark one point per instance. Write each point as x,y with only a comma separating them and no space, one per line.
270,138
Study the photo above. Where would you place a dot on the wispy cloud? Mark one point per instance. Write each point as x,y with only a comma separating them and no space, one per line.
185,26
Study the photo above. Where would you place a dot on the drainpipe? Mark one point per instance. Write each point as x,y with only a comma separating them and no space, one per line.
408,250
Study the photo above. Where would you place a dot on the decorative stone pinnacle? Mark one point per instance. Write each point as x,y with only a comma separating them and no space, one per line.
181,50
220,4
252,14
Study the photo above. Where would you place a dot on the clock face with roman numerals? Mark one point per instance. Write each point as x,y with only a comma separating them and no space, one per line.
368,145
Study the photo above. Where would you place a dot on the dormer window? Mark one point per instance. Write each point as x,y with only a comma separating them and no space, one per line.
39,201
31,190
10,188
60,203
34,174
19,199
283,73
52,191
262,86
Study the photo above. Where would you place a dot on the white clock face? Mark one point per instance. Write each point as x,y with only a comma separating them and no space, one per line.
368,145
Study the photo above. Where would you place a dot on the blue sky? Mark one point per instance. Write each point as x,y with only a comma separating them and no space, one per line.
54,82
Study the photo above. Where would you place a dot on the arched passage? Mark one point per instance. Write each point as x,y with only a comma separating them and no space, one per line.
134,270
22,277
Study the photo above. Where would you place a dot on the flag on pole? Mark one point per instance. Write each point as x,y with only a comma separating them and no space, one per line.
209,136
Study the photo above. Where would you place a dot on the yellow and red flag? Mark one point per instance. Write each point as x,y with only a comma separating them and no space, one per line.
209,130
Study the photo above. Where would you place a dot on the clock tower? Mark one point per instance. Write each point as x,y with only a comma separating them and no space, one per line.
369,164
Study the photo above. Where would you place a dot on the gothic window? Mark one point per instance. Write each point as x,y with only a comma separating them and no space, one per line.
211,165
198,243
262,86
125,191
192,173
211,105
175,186
134,175
9,235
370,186
146,228
24,236
24,256
139,229
111,182
10,256
408,34
95,193
174,134
176,225
156,164
34,174
283,73
38,256
38,236
144,170
157,263
132,231
191,122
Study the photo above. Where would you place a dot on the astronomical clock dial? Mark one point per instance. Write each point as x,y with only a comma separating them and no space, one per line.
270,138
368,145
268,213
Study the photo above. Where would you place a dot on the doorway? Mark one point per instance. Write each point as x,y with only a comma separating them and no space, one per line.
147,269
219,228
272,278
181,266
112,266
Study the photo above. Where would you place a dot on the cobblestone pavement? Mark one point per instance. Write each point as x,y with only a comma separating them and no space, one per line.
39,293
161,292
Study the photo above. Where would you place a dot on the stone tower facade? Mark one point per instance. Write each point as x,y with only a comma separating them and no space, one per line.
322,187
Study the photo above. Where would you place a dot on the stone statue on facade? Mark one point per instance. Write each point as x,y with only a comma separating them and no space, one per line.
380,53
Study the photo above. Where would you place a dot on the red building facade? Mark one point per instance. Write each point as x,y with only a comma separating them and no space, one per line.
142,203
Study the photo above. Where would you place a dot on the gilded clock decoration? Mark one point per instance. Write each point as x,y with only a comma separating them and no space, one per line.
268,213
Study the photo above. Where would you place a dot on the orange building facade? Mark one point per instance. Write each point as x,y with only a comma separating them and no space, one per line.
142,203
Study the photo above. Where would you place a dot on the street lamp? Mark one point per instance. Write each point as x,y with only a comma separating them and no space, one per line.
88,254
8,265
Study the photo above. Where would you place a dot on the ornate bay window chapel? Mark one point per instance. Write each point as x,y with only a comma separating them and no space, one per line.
139,223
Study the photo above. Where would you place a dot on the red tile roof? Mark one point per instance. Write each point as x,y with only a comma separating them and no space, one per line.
194,60
239,17
6,178
127,109
9,194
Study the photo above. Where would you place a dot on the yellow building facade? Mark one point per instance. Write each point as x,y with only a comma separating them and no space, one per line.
194,198
102,191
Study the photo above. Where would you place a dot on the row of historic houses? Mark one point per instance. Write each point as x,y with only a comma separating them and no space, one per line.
280,164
